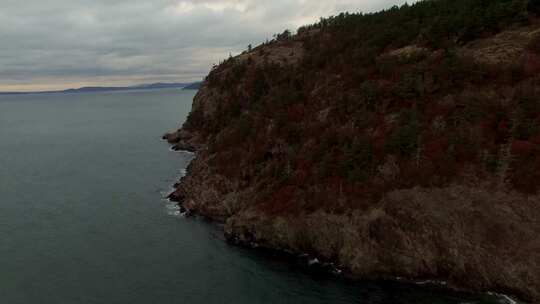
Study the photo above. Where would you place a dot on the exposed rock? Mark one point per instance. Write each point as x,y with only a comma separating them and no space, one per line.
183,141
506,48
472,238
182,146
408,52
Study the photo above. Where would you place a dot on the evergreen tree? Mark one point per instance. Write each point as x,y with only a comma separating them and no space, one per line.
534,6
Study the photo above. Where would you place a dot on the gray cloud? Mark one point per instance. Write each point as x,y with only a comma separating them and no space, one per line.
63,43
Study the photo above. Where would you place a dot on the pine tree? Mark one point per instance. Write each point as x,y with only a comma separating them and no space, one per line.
534,6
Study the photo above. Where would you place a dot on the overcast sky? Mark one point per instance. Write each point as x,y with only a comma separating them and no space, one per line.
57,44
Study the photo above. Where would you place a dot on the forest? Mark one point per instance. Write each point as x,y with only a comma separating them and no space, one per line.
432,117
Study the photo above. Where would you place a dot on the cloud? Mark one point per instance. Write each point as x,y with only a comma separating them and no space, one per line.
59,43
185,7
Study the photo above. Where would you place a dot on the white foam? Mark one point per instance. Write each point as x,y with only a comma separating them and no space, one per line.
166,193
431,282
176,213
173,213
172,207
181,151
504,299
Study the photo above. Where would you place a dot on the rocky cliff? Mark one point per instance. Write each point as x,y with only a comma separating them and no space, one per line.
414,157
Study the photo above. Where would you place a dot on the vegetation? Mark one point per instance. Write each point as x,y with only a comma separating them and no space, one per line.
382,101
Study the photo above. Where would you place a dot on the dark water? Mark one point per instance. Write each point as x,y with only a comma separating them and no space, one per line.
83,220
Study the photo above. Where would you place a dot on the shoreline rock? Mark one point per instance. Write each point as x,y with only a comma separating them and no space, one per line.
314,262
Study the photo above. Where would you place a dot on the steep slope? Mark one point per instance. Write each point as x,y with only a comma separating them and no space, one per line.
399,144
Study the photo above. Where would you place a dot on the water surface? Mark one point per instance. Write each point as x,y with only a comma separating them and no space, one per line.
83,219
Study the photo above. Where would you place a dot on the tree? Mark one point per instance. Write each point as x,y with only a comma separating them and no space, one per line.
284,36
404,140
534,6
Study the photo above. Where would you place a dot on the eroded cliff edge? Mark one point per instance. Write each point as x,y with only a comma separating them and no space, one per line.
408,159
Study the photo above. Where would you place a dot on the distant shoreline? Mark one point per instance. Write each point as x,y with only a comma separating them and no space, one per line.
154,86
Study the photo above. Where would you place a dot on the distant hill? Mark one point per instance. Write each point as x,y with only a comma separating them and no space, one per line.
193,86
152,86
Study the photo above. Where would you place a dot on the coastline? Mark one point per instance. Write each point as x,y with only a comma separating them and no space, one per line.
316,265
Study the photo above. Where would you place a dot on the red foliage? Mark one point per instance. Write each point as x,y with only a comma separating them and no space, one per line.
336,183
304,165
378,147
303,171
535,139
493,128
487,125
301,177
379,135
436,148
281,201
296,112
503,127
526,173
425,174
532,64
522,147
435,110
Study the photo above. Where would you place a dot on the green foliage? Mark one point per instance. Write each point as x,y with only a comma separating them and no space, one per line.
411,85
491,162
369,92
528,99
386,65
435,24
194,120
260,86
454,71
324,169
284,36
358,159
534,6
337,106
364,56
404,140
243,128
238,71
525,129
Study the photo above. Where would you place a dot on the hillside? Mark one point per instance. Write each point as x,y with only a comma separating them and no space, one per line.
404,143
193,86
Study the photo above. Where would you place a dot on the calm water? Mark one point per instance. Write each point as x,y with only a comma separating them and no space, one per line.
83,220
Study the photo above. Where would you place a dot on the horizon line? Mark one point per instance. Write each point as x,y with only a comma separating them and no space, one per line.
105,88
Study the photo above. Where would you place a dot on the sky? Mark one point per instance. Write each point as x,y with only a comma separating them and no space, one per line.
60,44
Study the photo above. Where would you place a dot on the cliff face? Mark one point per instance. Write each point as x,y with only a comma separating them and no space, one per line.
410,160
